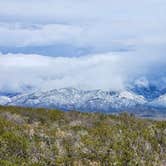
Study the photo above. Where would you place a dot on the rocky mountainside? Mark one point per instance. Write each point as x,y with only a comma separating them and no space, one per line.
67,99
140,101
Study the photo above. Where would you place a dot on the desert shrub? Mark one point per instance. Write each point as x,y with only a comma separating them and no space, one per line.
13,144
40,137
7,163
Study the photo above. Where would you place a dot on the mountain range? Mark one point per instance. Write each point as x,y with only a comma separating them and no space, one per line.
145,101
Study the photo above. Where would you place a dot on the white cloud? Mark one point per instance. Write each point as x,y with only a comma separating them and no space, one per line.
99,24
20,35
78,10
102,26
103,71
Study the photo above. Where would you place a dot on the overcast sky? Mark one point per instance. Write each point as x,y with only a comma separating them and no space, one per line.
87,44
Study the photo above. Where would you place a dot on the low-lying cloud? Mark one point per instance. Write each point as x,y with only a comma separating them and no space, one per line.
18,72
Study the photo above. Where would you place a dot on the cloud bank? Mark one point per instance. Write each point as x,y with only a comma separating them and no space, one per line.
102,71
94,44
103,26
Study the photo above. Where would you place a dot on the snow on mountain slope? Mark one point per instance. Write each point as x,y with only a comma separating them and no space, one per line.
4,100
160,101
67,99
94,100
149,90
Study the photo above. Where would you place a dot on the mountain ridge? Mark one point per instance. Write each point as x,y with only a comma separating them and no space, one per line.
90,101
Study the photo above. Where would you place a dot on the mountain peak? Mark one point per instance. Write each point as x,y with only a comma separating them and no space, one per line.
91,100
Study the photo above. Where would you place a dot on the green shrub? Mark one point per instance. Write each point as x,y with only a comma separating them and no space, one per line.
55,138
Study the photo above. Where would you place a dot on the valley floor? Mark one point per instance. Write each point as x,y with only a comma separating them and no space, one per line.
40,137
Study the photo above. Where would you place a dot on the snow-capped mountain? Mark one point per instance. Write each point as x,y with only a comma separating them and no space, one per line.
160,101
69,99
150,90
4,100
139,99
150,93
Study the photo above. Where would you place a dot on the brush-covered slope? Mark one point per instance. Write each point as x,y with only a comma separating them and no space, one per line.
39,137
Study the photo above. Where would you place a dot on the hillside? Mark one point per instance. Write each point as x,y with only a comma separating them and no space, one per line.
140,101
40,137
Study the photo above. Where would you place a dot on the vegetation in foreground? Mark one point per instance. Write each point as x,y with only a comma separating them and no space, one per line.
38,137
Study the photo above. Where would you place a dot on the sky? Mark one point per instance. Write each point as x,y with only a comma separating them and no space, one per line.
86,44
